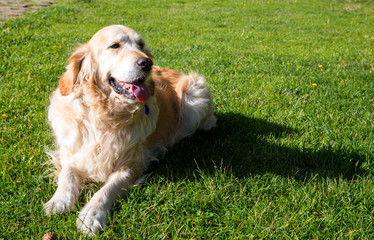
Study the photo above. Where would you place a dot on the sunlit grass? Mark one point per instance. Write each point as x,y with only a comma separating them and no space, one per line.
293,87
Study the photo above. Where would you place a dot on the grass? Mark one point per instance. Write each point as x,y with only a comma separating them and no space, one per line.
293,87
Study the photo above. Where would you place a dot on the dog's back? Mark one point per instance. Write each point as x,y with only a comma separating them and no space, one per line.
185,106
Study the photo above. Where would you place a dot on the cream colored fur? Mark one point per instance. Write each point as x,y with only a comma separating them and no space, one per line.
105,137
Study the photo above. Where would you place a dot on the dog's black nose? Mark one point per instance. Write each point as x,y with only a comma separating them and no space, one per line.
145,63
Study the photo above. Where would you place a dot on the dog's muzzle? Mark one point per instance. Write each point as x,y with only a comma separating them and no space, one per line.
135,89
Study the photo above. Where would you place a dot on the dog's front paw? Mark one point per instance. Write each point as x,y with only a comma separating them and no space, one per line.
60,203
91,220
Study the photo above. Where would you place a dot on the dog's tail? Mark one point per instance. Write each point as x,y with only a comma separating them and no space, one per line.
196,105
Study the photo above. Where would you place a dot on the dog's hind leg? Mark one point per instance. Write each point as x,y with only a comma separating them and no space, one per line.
196,105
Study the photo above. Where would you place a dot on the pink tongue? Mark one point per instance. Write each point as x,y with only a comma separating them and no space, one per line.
140,91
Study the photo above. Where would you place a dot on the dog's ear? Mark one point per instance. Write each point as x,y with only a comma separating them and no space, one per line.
70,77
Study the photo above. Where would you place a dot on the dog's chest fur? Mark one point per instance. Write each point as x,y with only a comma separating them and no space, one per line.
95,148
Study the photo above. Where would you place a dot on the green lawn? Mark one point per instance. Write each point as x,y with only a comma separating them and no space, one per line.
293,87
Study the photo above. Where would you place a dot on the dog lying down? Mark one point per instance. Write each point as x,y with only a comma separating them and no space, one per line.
112,114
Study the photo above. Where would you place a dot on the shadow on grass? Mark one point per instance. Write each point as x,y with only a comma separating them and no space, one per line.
240,144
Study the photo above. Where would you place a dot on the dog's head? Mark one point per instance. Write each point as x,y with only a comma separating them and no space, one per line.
115,62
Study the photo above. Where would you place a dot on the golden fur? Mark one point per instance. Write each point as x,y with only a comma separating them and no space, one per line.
107,137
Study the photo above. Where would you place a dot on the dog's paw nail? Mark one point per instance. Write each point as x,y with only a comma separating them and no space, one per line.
91,221
58,205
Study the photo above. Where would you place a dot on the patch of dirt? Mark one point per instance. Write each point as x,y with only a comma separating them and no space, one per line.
16,8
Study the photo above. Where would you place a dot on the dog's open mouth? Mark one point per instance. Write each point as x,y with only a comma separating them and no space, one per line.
134,90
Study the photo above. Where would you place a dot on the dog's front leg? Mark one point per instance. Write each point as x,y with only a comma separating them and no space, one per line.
94,215
67,193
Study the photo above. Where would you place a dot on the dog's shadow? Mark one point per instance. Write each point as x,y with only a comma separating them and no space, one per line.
248,146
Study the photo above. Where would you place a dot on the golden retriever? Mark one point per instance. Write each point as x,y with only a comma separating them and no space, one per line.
113,113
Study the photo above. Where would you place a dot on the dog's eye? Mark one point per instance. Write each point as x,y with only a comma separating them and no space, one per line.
115,45
141,45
